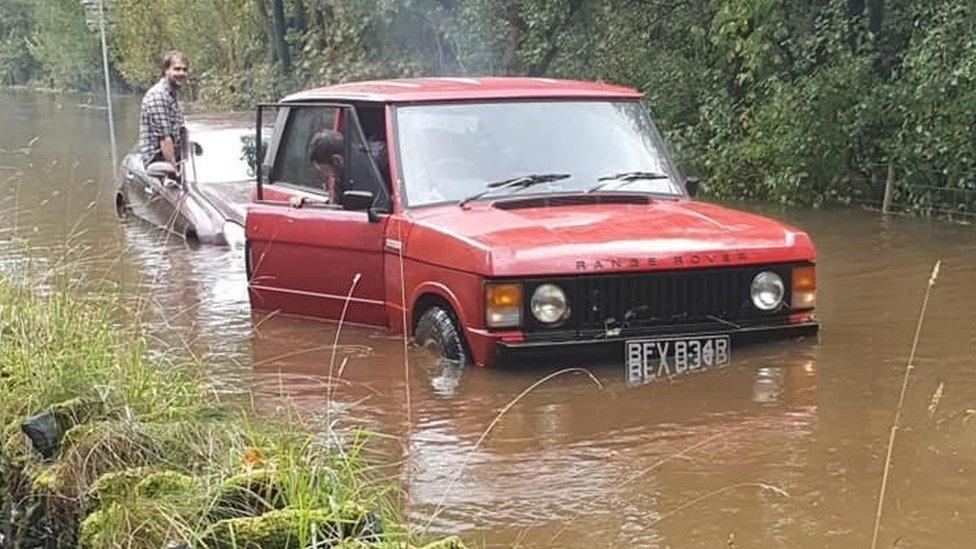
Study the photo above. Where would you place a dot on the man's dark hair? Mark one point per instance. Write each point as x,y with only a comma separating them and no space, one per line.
170,57
323,145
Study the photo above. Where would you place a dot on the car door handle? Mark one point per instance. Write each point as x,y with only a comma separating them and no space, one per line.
300,201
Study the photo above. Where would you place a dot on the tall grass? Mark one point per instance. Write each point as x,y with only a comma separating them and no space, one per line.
58,347
154,460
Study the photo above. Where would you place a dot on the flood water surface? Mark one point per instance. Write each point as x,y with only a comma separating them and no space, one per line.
785,447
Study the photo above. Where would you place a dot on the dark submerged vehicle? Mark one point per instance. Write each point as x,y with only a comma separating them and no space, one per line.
207,206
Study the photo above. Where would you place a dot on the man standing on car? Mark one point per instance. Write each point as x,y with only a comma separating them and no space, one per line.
161,118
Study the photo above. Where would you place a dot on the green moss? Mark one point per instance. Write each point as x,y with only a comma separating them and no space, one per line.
45,480
165,483
355,521
118,485
248,494
280,529
103,446
90,532
76,411
156,435
185,413
15,447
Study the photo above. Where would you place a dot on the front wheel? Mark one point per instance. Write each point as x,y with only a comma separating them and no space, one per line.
436,330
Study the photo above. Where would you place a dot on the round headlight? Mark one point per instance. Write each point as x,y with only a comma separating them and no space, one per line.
549,304
767,291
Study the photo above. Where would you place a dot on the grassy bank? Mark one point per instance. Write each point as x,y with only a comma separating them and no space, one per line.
104,447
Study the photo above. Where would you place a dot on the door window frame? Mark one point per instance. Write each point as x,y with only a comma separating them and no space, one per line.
346,115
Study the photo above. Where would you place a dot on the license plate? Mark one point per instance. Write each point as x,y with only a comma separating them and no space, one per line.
659,358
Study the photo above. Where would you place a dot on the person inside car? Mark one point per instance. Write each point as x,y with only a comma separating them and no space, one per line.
325,153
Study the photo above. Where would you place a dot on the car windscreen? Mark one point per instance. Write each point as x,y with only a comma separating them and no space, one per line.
222,156
450,151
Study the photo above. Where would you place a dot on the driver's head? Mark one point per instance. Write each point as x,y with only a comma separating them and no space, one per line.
325,150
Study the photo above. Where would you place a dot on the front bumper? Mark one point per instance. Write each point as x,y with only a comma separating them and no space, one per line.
607,349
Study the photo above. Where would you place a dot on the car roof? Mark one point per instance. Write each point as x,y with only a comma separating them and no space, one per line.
417,90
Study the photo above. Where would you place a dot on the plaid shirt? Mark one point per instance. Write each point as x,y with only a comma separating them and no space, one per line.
160,116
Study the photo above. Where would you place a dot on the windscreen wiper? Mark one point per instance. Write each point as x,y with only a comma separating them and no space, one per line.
626,177
517,183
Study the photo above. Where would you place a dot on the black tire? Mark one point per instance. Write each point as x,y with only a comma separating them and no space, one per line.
436,328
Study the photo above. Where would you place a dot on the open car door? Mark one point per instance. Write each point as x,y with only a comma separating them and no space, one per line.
314,242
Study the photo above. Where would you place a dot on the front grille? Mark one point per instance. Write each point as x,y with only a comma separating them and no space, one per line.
699,296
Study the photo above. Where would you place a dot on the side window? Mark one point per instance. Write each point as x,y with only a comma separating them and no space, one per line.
323,149
293,164
372,120
365,158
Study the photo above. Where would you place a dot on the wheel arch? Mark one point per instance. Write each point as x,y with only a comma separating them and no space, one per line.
431,299
430,295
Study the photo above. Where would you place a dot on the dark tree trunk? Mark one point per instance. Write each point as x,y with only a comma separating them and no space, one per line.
875,9
552,40
855,10
261,13
320,18
875,15
514,36
300,19
447,54
447,57
278,17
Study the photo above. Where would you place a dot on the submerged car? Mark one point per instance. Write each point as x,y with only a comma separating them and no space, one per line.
501,219
208,204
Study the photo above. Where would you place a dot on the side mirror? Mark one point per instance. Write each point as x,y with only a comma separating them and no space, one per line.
197,148
357,200
691,186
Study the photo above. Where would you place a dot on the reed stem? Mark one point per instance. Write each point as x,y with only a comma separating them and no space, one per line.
901,401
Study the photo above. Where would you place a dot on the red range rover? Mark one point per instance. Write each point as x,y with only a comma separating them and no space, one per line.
513,219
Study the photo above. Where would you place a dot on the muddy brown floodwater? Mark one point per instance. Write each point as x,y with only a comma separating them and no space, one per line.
783,448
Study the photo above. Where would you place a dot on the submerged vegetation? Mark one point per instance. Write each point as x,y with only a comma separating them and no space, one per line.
105,447
796,102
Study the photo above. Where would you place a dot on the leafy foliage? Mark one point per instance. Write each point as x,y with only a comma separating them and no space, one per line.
800,102
16,21
935,142
65,50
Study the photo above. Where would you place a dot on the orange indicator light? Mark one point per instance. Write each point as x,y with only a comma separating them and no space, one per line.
503,305
804,287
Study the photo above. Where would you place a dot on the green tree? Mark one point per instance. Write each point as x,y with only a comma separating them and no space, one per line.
66,51
805,102
17,65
